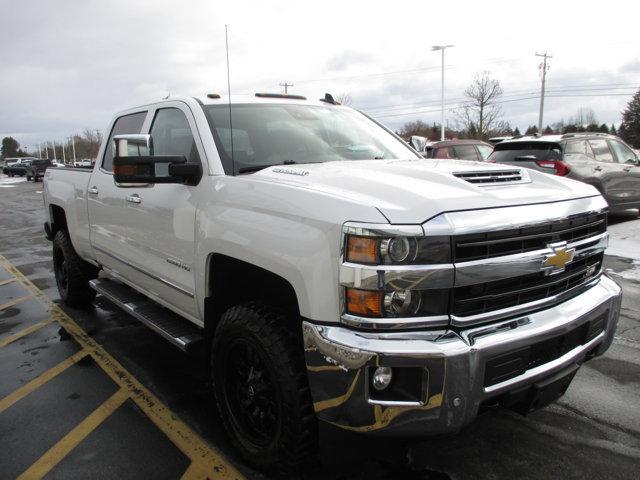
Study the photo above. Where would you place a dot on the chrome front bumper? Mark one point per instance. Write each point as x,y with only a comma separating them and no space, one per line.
453,364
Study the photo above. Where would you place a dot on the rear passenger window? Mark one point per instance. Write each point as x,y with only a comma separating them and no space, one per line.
573,148
601,150
442,153
172,135
465,152
126,125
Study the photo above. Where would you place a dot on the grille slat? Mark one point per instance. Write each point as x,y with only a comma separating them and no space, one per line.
478,246
491,176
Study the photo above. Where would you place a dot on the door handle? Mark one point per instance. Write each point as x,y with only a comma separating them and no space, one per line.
93,190
135,198
597,168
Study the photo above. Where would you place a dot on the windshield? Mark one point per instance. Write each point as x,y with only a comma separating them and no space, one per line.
271,134
509,152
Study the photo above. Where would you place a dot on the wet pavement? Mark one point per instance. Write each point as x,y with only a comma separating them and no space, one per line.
592,432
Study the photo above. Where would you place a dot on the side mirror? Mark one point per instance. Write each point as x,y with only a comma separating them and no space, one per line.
418,143
134,164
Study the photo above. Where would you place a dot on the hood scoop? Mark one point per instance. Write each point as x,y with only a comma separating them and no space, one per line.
494,177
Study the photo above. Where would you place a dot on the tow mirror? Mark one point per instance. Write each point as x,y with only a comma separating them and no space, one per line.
135,165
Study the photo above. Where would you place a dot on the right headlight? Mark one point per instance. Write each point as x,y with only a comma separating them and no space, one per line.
397,250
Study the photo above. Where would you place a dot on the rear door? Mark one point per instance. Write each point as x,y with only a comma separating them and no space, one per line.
610,173
629,162
105,202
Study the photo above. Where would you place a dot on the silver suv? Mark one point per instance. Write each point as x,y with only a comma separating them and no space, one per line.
601,160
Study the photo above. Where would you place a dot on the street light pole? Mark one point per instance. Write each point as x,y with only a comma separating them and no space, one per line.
73,143
442,48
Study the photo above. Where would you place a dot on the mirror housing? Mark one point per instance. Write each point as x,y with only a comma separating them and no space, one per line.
418,143
134,164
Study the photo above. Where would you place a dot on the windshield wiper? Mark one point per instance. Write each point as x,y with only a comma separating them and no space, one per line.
257,168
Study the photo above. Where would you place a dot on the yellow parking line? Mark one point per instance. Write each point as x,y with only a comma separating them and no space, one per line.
37,382
67,443
15,301
4,282
17,336
205,459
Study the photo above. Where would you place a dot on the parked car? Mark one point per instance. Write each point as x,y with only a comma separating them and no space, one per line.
83,163
331,273
17,168
459,149
599,159
37,168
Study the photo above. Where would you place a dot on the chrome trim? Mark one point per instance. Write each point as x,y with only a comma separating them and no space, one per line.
525,307
391,323
374,277
519,264
567,358
506,177
506,218
150,275
381,230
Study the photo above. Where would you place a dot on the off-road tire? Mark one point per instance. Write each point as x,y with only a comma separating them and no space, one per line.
295,440
72,273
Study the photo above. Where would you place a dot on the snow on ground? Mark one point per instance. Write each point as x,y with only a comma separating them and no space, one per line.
624,239
8,182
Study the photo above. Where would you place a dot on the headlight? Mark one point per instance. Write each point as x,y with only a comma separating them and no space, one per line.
397,250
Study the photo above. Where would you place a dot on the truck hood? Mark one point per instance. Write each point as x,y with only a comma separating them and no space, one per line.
413,191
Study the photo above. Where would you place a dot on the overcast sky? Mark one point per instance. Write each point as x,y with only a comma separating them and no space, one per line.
70,64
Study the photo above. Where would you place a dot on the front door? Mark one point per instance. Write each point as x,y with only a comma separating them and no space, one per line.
160,218
610,172
628,160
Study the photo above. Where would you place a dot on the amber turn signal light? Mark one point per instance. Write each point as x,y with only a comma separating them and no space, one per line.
362,249
364,302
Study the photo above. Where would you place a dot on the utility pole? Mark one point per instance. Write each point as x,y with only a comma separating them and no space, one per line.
73,142
286,87
64,160
39,152
442,48
54,151
544,68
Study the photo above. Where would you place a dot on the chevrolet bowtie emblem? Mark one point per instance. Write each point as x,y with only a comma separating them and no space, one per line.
557,261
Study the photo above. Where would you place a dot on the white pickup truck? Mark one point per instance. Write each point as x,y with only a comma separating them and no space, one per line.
332,273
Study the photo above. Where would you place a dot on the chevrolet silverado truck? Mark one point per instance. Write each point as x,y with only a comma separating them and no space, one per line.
329,272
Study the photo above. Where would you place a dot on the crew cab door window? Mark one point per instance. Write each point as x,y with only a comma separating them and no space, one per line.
623,153
172,135
127,124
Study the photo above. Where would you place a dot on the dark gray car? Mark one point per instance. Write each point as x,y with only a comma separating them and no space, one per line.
602,160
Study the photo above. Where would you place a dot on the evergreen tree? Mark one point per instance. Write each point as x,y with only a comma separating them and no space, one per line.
10,147
516,132
603,128
612,130
629,129
531,130
548,130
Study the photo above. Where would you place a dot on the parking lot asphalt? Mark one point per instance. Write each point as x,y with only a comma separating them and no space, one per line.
95,394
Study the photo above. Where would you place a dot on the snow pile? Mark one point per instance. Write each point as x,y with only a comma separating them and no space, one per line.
8,182
624,239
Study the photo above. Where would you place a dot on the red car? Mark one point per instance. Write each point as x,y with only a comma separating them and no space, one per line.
459,149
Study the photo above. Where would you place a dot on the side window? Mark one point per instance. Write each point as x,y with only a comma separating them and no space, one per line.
442,153
624,153
601,150
172,135
577,147
465,152
484,151
128,124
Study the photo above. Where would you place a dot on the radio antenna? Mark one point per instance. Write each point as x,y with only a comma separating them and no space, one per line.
226,39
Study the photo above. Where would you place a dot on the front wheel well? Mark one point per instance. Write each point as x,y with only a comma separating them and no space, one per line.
233,282
58,219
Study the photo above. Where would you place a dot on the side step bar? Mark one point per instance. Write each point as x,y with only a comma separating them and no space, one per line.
171,326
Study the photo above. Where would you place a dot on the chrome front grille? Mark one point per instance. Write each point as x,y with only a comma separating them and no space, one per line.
480,298
478,246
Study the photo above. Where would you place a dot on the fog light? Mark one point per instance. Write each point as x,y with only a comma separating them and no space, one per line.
382,378
402,303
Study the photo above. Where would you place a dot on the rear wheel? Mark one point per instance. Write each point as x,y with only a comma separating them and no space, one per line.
261,389
72,273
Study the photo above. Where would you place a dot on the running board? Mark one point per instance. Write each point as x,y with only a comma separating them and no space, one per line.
168,324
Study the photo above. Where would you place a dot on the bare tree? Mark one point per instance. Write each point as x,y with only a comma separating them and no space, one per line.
481,113
344,98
